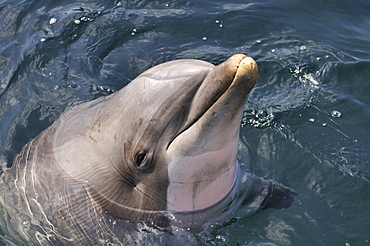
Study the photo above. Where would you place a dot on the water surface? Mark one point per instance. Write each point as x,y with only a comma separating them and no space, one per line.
306,123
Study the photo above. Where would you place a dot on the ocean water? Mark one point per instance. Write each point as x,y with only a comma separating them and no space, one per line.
306,123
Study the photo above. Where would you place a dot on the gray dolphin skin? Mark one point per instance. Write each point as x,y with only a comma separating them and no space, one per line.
129,168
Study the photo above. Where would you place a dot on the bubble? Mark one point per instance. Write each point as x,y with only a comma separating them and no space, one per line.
43,39
77,22
258,118
336,114
119,4
324,124
259,41
312,120
204,38
303,47
52,21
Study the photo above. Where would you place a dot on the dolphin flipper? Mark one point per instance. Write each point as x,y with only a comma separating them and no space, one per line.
270,194
280,196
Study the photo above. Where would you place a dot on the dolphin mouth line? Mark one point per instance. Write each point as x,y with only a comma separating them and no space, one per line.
188,125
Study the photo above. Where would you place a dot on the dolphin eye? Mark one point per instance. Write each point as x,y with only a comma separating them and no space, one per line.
141,160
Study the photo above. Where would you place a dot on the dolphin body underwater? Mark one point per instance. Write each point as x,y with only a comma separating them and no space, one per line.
128,168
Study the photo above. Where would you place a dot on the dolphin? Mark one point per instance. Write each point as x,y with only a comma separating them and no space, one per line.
159,153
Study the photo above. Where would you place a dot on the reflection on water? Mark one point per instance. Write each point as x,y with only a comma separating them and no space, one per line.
279,230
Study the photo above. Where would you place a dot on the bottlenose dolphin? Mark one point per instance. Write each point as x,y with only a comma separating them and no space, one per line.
159,153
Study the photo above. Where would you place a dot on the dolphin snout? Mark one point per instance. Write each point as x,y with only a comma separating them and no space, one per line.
247,72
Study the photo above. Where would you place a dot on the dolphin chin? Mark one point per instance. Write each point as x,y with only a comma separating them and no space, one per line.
161,151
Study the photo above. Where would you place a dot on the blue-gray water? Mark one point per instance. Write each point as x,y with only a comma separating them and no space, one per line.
306,123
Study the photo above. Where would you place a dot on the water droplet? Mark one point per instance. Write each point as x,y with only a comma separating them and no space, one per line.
221,25
204,38
324,124
259,41
77,22
217,21
119,4
53,21
273,50
312,120
336,114
85,18
43,39
303,47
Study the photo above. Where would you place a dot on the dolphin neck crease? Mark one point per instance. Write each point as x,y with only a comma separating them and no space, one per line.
218,212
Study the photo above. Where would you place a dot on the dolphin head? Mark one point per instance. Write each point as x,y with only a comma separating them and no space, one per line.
167,141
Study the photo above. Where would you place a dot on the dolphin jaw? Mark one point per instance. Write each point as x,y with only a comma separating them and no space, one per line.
199,181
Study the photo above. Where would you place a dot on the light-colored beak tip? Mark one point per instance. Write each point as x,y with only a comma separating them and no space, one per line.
248,63
247,70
